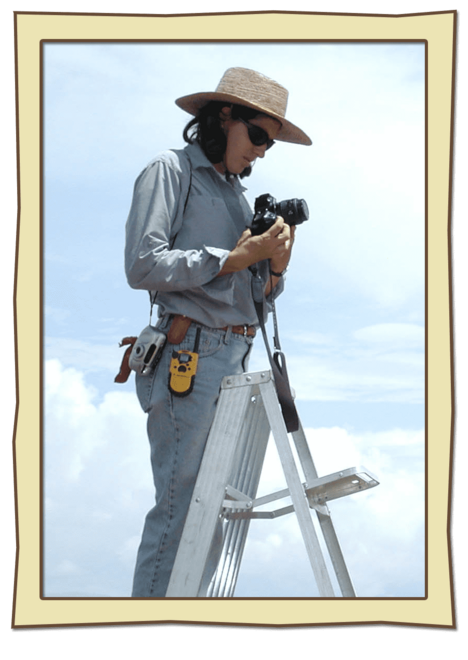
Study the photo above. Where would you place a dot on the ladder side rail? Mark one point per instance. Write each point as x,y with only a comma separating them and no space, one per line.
208,495
218,585
305,456
252,451
326,524
250,486
296,490
225,586
242,477
336,555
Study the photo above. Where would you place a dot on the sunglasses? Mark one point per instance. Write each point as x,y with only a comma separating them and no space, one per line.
257,135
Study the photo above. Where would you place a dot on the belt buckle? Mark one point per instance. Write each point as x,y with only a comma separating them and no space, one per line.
246,330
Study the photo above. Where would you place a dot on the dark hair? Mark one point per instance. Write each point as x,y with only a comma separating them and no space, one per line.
206,129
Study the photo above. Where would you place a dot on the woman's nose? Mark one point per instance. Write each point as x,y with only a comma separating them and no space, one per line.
260,150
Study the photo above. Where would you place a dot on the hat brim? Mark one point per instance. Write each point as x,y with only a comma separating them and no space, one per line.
288,132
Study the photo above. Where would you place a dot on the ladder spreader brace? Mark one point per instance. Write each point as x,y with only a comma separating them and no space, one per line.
226,488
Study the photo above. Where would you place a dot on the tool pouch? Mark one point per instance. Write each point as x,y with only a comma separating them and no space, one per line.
124,372
178,329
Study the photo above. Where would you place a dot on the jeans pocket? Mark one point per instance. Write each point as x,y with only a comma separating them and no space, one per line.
211,341
144,388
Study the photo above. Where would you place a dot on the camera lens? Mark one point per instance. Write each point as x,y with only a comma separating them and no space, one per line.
303,210
293,211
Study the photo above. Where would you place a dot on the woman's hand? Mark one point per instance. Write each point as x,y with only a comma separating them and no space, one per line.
280,260
274,244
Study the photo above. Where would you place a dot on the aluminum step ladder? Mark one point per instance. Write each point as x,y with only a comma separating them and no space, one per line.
226,488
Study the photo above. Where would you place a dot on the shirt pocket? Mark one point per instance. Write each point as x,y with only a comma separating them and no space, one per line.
207,222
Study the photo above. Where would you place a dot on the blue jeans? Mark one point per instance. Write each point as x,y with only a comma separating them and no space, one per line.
178,429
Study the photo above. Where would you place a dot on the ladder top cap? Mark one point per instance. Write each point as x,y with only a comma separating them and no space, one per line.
242,380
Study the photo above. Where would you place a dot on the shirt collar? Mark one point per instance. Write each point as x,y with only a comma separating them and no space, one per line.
197,156
198,159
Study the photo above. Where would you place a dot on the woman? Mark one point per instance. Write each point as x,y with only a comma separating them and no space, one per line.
187,244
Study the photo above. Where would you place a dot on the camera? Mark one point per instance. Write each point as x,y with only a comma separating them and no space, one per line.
147,350
293,211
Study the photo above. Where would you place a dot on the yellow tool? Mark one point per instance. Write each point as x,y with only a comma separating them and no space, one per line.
183,368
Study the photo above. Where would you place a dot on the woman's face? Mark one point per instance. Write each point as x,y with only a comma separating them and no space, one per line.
240,151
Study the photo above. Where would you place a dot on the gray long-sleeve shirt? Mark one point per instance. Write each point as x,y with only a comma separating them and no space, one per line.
185,273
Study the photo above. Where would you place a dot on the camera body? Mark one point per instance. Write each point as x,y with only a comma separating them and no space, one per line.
147,350
293,211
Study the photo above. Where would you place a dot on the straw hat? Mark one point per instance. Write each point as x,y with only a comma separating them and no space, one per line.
254,90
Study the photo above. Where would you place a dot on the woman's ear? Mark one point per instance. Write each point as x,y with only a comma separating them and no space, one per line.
225,113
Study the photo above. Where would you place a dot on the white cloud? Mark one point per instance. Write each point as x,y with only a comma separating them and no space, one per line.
98,484
85,356
394,334
67,567
383,362
58,315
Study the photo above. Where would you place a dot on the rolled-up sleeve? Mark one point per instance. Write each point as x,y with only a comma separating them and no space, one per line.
150,263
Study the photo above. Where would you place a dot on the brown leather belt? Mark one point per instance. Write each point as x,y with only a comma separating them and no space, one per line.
180,324
246,330
177,331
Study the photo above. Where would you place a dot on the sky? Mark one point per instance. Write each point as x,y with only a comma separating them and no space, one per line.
351,320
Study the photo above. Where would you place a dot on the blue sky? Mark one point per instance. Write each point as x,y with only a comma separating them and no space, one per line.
351,318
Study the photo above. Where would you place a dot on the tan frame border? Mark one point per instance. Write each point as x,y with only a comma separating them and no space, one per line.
438,31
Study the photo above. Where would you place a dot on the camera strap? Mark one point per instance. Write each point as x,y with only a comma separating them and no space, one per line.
278,360
175,230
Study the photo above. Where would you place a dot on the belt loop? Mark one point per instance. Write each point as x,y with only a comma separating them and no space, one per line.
227,336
